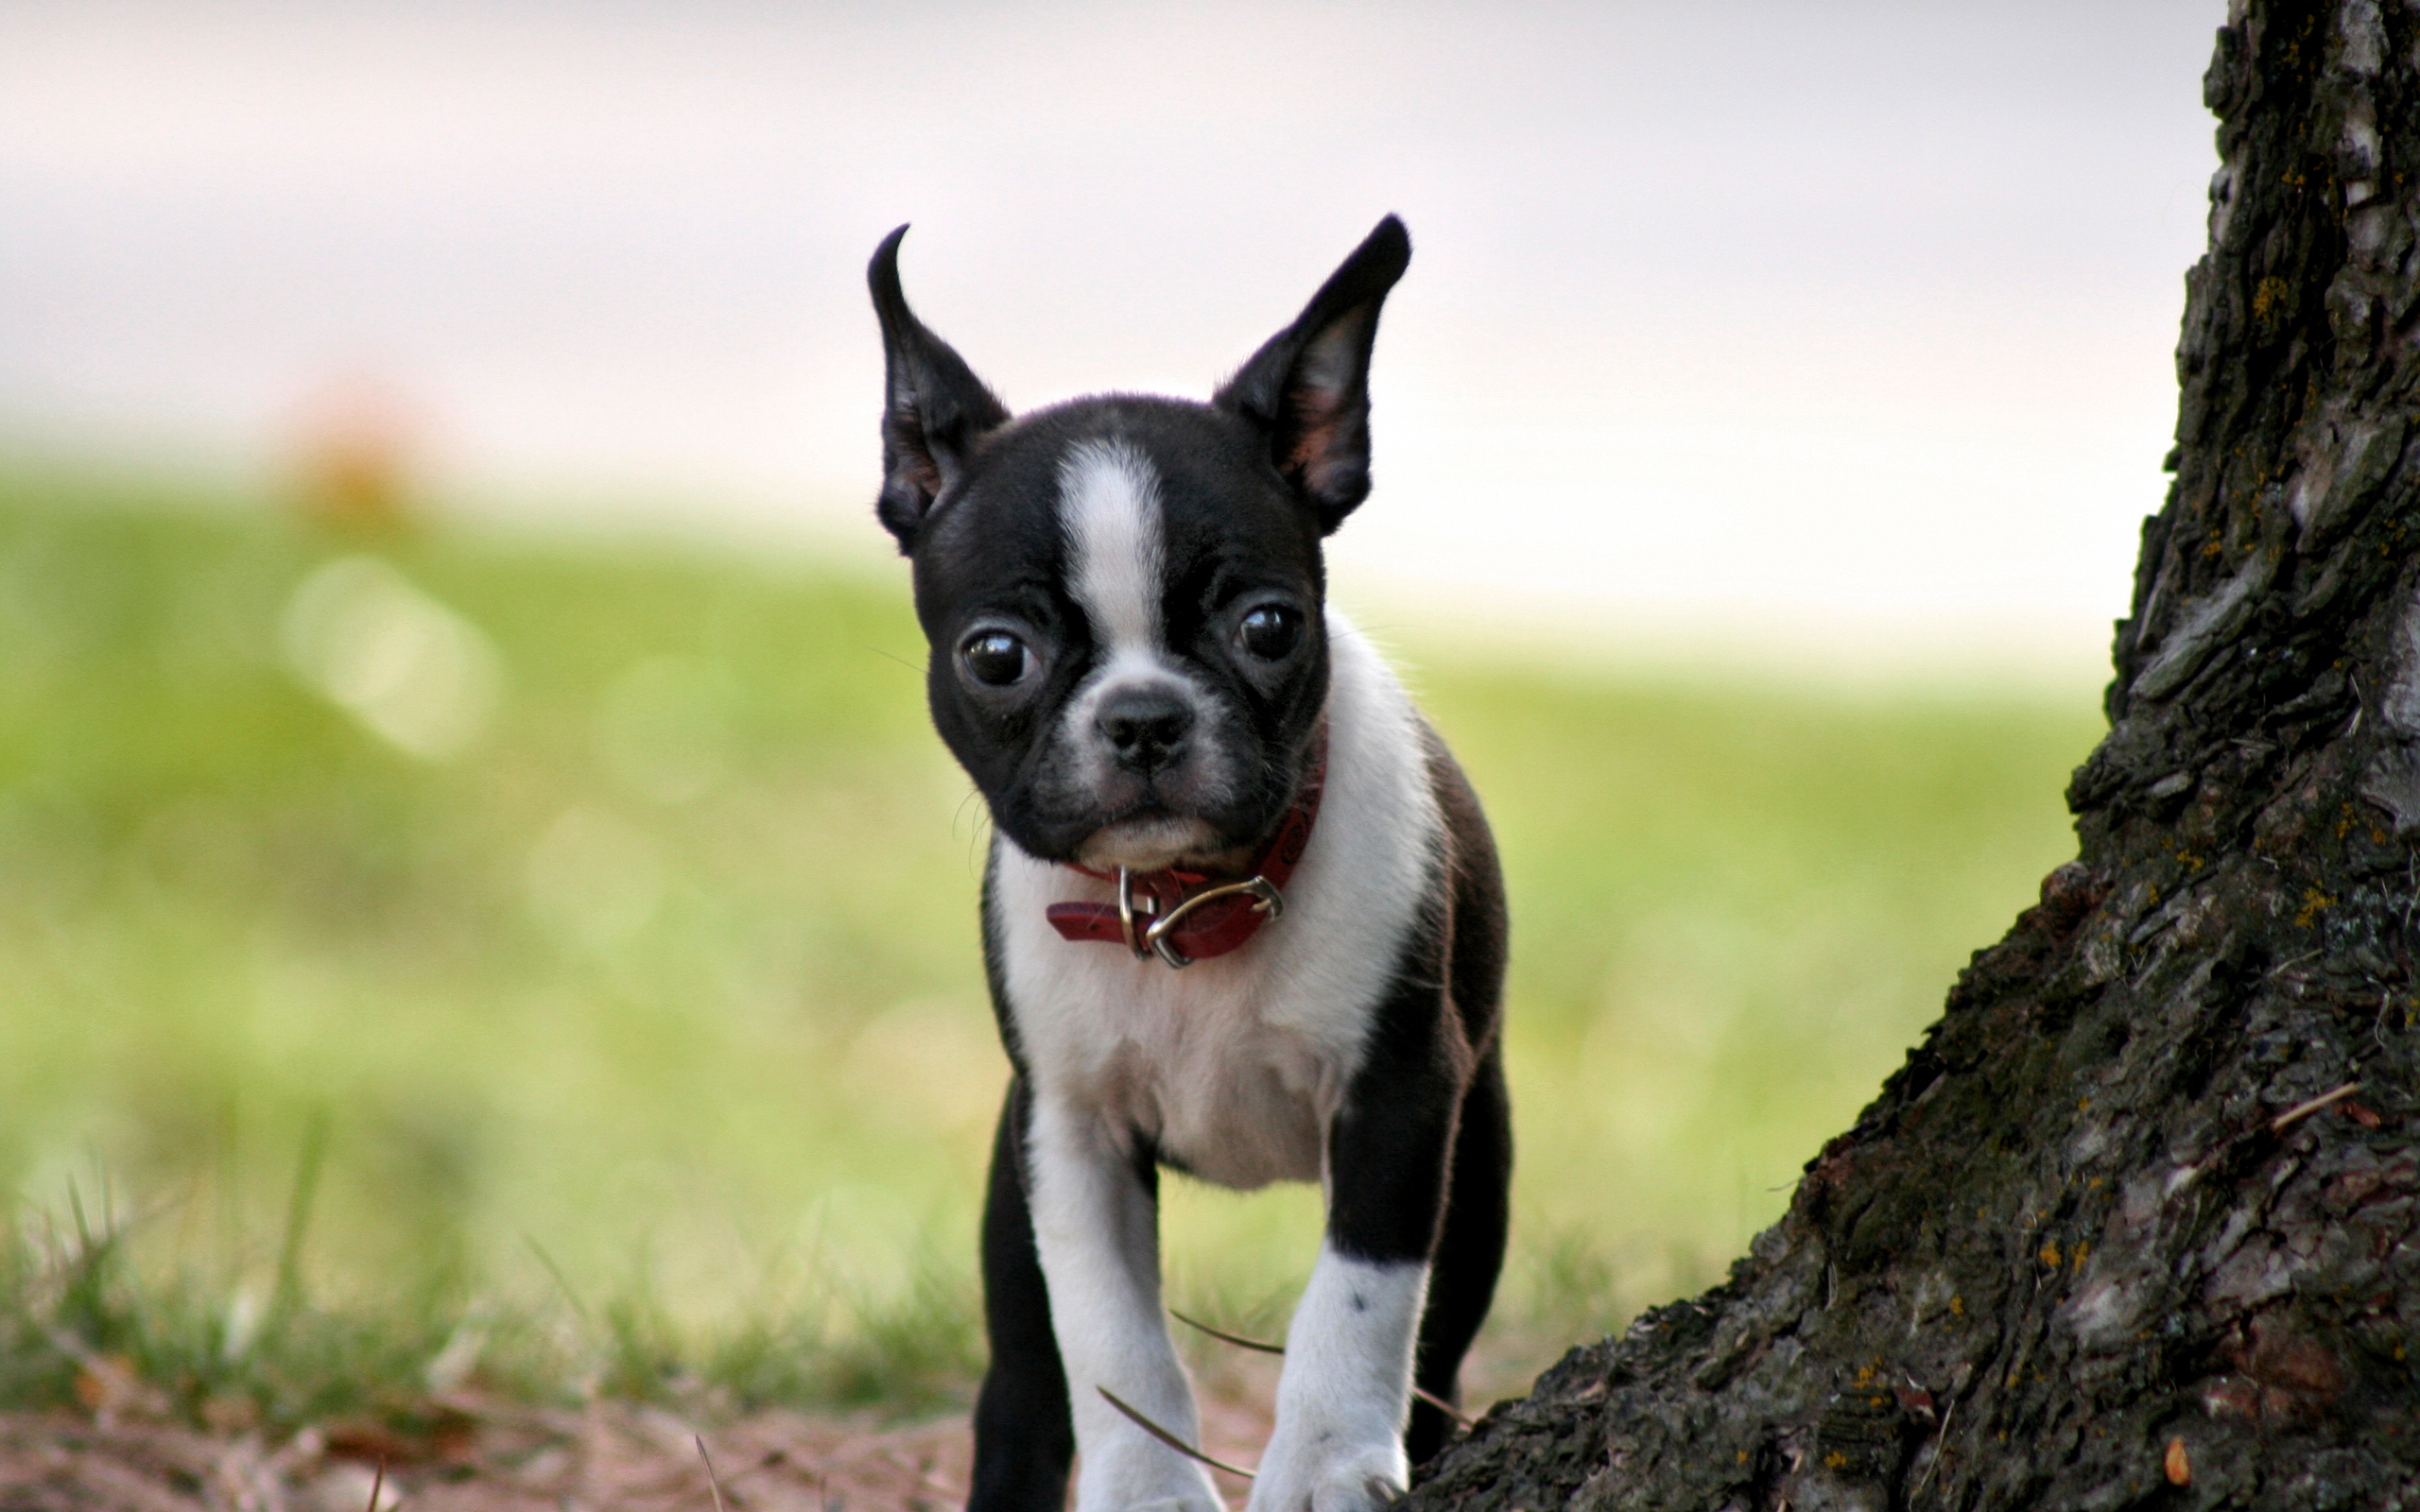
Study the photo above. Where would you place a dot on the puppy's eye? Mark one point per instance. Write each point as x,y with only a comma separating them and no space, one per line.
995,659
1271,632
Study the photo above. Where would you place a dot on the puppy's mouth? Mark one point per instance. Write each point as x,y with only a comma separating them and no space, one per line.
1155,842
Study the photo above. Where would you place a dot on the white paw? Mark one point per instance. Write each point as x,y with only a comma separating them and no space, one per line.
1133,1474
1324,1475
1178,1503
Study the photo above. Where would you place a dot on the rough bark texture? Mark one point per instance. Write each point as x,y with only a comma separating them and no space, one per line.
2080,1252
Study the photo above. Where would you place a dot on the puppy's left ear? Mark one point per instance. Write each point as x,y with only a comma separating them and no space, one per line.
1308,388
934,411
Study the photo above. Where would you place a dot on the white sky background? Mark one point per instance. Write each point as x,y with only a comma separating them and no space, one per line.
1775,323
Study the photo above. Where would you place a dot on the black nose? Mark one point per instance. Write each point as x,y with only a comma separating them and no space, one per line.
1145,728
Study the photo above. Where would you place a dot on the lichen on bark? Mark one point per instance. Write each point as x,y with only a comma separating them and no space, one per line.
2115,1234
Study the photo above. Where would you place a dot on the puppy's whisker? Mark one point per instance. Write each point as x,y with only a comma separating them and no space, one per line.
978,834
1171,1439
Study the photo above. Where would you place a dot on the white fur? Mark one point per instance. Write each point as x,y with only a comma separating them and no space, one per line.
1347,1388
1235,1067
1109,506
1111,512
1098,1237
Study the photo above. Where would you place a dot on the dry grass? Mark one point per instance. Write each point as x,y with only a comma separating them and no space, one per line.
479,1454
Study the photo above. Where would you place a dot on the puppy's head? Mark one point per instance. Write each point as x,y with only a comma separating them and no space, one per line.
1123,596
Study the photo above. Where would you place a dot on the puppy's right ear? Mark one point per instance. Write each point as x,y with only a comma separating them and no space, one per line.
935,409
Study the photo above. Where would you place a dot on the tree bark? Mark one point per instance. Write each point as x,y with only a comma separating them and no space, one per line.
2104,1241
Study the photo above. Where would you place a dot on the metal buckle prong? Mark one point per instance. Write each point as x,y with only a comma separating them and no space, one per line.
1265,900
1126,913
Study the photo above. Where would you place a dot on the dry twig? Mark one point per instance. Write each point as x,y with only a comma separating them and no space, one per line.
1240,1341
2301,1110
1939,1447
1225,1337
1171,1439
713,1483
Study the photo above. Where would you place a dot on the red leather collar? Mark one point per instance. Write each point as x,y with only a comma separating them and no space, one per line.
1183,916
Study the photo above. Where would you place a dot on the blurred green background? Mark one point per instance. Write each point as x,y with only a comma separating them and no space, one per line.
471,956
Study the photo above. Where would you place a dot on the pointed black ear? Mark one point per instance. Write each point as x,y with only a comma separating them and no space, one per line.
1308,388
935,409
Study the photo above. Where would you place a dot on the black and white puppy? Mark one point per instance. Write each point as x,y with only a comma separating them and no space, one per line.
1133,657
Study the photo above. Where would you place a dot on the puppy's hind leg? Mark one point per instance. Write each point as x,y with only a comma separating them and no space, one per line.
1470,1251
1024,1439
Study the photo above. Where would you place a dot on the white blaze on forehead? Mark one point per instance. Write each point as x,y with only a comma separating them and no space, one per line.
1109,506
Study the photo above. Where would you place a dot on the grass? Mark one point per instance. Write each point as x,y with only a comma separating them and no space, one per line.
557,963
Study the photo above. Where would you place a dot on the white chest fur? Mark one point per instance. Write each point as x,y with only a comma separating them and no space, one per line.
1234,1065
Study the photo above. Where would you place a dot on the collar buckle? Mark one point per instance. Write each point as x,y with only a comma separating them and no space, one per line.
1152,936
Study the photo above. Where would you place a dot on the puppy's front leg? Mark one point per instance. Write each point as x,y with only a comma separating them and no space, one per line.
1346,1387
1096,1224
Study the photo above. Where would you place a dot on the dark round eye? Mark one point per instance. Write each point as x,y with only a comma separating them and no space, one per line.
995,659
1271,632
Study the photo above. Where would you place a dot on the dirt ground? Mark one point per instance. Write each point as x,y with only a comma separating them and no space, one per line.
488,1456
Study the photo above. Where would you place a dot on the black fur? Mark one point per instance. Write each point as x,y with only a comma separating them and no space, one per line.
1308,389
936,410
1024,1439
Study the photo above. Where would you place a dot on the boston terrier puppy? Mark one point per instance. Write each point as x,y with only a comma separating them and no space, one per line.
1242,916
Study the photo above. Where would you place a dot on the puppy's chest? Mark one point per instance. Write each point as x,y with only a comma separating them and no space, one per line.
1207,1064
1237,1065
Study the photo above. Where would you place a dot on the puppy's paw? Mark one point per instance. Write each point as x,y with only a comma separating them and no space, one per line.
1137,1474
1184,1503
1165,1497
1358,1488
1323,1475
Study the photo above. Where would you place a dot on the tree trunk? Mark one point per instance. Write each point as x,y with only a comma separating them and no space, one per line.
2136,1223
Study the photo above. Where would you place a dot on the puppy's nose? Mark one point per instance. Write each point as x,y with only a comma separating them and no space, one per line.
1145,728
